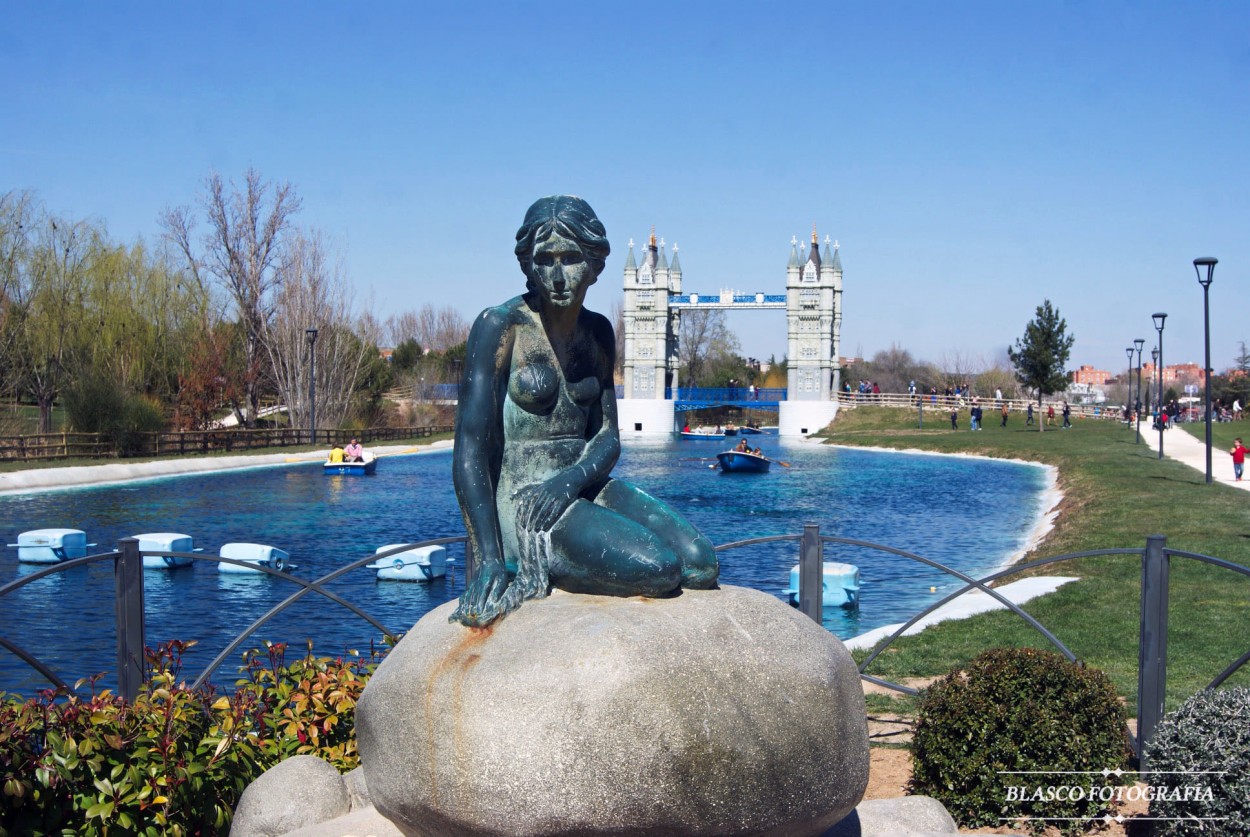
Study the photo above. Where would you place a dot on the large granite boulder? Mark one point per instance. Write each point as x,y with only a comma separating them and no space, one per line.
904,816
300,791
717,712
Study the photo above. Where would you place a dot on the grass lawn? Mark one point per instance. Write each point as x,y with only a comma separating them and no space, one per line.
1116,493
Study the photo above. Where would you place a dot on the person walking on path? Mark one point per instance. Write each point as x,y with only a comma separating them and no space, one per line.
1067,416
1239,458
954,418
1050,415
1004,424
1029,419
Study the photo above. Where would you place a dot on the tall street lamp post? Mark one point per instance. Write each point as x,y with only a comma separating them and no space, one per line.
1139,342
312,385
1159,318
1205,281
1128,404
1154,365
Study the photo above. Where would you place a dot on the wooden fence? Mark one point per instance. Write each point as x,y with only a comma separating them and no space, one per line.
991,407
45,446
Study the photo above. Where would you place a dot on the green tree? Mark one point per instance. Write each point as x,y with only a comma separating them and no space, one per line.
1242,362
406,355
51,334
1040,355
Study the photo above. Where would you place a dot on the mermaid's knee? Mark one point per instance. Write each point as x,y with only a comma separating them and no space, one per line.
700,567
664,573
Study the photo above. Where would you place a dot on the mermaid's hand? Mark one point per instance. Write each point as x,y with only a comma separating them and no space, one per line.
483,600
541,505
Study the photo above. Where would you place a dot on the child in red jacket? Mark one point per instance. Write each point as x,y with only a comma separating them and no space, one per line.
1239,457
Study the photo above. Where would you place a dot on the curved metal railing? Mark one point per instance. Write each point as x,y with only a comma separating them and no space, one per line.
128,576
1155,559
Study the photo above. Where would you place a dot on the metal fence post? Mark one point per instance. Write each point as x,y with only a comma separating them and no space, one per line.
811,574
128,601
1152,667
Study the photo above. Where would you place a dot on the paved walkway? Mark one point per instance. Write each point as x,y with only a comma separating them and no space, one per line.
53,479
1184,448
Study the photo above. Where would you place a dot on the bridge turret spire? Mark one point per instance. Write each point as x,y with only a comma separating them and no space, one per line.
663,264
794,251
630,264
675,267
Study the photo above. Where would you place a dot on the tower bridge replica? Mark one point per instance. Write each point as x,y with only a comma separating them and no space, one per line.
653,396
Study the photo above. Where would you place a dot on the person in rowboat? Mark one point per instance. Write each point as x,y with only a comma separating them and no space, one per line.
537,436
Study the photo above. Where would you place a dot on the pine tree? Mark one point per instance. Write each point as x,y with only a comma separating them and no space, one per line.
1040,355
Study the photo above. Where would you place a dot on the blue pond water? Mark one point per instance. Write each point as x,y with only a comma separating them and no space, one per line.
969,514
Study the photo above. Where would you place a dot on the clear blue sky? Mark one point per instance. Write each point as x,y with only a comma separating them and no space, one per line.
971,158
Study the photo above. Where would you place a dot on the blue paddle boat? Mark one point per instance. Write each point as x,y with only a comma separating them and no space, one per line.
424,563
367,465
743,462
839,585
165,542
255,555
51,546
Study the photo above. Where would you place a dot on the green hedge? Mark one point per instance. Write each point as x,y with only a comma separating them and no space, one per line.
175,760
993,738
1200,757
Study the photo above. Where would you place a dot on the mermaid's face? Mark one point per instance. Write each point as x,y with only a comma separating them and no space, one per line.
561,273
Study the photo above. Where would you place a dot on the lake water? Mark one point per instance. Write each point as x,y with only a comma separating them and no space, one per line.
970,514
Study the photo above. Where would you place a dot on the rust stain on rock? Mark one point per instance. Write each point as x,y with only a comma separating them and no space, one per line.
456,663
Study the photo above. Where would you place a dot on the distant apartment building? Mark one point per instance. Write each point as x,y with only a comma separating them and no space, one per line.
1090,376
1180,373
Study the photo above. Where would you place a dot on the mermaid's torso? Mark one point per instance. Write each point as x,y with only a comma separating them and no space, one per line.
546,418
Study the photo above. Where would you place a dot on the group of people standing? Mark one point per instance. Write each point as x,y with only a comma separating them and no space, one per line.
976,414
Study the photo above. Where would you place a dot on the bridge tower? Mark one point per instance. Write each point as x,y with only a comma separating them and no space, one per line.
649,354
814,326
654,302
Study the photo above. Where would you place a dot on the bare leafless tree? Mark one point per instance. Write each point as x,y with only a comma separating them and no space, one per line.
617,316
703,335
19,216
961,367
241,254
313,293
435,329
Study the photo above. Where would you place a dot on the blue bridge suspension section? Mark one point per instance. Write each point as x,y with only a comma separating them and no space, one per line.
755,300
700,398
684,398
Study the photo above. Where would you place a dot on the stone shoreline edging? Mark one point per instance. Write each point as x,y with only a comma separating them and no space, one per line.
117,473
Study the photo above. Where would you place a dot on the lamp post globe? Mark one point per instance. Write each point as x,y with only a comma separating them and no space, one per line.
1206,264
